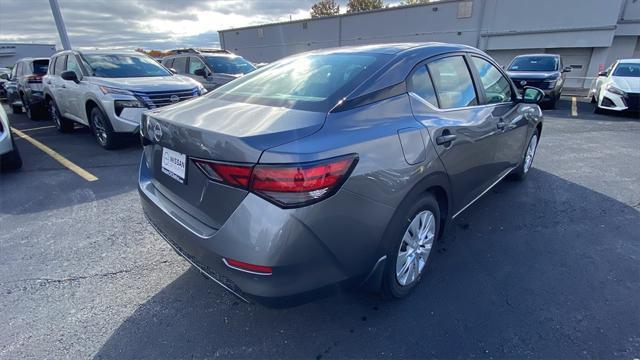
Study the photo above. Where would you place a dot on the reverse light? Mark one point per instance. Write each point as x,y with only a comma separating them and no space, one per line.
286,185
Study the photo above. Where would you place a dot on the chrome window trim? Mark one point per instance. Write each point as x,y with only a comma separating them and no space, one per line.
433,107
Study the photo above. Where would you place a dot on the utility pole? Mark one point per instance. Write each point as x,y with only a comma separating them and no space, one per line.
62,30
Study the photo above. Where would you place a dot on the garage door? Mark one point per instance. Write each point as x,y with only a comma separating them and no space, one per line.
578,59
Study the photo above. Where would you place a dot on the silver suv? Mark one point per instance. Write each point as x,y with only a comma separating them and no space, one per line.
211,67
109,90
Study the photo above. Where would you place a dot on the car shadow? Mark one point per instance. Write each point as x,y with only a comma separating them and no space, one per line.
543,268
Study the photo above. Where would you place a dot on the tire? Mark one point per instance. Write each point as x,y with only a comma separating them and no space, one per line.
520,173
11,160
397,283
28,110
102,130
598,110
63,124
16,109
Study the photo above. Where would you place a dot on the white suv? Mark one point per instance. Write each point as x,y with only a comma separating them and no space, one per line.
109,90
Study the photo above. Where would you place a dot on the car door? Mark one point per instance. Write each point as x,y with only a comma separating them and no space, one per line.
444,99
499,96
57,83
72,92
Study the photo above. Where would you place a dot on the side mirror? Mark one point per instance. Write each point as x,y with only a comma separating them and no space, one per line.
200,72
4,76
70,75
532,95
566,69
603,73
173,70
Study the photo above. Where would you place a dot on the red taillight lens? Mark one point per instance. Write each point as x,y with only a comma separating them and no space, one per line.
230,174
286,185
34,78
301,184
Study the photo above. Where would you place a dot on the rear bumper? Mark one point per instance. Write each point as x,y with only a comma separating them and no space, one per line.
305,264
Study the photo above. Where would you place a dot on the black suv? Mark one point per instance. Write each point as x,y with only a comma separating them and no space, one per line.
211,67
543,71
27,75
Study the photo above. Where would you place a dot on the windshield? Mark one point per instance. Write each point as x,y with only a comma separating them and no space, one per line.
627,70
229,65
40,66
310,82
534,63
123,66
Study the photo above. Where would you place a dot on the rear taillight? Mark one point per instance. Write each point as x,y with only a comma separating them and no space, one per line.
286,185
35,78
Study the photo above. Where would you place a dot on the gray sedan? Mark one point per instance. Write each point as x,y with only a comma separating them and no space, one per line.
334,168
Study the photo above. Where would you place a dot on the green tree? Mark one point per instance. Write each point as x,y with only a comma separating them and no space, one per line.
325,8
363,5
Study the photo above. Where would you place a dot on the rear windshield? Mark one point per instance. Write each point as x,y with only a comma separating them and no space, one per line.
312,82
229,65
40,66
627,70
534,63
123,66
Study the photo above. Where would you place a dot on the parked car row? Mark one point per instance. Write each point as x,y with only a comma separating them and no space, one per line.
109,90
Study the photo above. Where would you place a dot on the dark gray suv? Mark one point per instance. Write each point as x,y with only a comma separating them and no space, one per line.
335,167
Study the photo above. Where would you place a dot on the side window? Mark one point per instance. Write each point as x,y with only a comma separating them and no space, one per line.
180,64
421,85
496,86
453,83
60,64
195,64
19,69
72,64
168,63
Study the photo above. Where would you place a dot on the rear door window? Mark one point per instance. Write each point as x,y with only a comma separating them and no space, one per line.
452,81
168,63
496,87
60,64
180,65
421,85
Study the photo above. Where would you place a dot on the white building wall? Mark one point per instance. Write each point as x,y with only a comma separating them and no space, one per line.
12,52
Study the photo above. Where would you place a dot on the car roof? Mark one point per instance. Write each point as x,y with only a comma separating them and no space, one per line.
539,55
32,59
391,48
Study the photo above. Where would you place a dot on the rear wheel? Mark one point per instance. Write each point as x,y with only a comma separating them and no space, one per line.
16,109
410,247
102,129
28,109
62,124
525,165
12,159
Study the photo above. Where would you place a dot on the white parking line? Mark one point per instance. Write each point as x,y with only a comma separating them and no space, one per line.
37,128
574,106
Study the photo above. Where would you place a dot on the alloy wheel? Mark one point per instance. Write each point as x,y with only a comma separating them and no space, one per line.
415,248
99,128
531,152
53,114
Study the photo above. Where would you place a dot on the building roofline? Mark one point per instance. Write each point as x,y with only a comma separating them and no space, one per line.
340,15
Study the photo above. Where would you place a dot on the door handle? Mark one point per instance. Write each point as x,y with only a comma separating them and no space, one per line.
501,124
63,86
445,139
48,82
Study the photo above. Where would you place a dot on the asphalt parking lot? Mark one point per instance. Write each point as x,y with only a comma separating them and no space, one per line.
547,268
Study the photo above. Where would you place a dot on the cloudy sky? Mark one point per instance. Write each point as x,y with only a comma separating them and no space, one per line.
150,24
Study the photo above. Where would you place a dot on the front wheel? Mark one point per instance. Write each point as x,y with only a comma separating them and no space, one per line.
410,247
102,129
525,165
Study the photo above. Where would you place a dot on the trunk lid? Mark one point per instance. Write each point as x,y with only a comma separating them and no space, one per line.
223,131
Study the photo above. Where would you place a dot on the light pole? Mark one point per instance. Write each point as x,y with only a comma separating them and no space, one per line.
62,30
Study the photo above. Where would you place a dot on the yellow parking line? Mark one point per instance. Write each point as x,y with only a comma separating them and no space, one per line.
38,128
59,158
574,106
